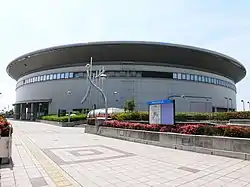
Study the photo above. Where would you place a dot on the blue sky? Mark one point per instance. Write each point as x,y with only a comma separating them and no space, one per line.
27,25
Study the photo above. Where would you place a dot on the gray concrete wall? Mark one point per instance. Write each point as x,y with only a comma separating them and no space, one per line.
215,145
140,89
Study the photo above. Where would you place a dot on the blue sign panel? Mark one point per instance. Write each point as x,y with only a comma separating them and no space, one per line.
160,102
162,112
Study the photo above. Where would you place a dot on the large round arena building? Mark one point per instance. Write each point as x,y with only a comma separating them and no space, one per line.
199,80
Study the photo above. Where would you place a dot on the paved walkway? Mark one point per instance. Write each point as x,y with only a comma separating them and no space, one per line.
46,155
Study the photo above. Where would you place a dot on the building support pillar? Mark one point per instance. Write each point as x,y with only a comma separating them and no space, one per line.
32,117
17,111
23,111
28,115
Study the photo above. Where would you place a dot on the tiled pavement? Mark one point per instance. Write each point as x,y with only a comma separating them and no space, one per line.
46,155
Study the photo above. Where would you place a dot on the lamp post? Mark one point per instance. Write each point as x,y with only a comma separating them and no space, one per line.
69,93
248,105
102,76
243,105
227,103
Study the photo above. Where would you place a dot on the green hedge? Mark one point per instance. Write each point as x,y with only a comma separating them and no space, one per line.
64,118
137,116
185,116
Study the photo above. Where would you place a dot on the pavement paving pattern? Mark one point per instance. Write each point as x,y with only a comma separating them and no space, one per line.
47,155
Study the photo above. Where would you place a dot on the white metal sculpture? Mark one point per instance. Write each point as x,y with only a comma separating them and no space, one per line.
99,75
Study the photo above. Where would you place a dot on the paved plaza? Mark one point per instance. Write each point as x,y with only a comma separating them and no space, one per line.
46,155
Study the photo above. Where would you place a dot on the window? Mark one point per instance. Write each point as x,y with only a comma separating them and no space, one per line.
35,79
122,74
209,80
51,77
217,81
128,74
133,74
112,74
188,77
81,74
42,77
202,78
199,78
71,75
195,78
62,76
77,75
206,79
183,76
138,74
174,75
192,77
155,74
66,75
58,76
54,76
117,74
38,78
179,75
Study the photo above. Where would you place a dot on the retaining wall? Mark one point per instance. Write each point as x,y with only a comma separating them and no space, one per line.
214,145
64,124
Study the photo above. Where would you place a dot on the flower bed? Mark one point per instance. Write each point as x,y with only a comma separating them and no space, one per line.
5,127
185,116
196,129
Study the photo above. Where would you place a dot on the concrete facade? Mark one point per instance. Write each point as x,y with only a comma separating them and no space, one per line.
203,97
199,80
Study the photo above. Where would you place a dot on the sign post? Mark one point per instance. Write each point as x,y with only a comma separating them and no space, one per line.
162,112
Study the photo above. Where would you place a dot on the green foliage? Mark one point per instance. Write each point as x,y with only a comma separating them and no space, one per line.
129,105
136,116
64,118
185,116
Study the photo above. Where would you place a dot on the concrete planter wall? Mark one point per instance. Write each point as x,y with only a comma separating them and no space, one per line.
215,145
64,124
5,149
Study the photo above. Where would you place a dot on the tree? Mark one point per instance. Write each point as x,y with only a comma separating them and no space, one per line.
129,105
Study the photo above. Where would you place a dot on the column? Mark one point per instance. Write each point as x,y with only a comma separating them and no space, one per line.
28,111
23,111
32,112
17,111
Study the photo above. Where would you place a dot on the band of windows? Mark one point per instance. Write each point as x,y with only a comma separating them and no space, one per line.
149,74
203,79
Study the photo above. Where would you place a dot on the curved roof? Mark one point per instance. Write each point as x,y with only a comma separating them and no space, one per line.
151,52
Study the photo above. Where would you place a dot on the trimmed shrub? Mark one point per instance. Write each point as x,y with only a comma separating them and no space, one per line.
64,118
196,129
185,116
136,116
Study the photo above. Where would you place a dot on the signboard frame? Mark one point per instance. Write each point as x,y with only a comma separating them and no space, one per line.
160,103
